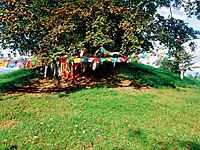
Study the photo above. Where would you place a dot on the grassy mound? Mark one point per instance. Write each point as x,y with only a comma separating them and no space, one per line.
103,118
12,80
104,76
154,77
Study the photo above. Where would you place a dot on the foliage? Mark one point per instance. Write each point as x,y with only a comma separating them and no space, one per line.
191,7
173,33
50,28
172,64
64,27
55,28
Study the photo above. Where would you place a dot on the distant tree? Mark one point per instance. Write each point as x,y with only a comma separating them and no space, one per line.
173,33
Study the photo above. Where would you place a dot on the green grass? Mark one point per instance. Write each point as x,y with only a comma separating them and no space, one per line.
102,118
141,73
155,77
10,81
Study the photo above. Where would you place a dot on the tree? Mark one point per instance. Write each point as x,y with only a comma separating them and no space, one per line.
59,27
52,27
173,33
191,7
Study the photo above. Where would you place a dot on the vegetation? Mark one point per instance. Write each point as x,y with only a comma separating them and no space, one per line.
11,81
56,28
106,117
126,117
191,7
142,74
155,77
102,118
173,33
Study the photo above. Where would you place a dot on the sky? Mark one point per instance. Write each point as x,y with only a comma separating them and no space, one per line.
180,14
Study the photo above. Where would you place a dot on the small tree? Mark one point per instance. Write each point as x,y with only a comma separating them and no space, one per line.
173,33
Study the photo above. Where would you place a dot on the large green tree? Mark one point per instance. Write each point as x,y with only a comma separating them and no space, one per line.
51,27
59,27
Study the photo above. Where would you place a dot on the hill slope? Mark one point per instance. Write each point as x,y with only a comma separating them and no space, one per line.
155,77
106,109
136,75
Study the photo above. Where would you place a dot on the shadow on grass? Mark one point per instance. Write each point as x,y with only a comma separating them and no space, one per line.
135,75
11,81
190,145
155,77
183,144
91,79
104,76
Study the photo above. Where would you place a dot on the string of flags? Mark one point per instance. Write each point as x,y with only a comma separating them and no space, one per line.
30,63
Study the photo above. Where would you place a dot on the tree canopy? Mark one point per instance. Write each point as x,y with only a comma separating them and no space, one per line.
59,27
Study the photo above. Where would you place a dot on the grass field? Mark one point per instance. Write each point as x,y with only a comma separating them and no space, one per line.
162,115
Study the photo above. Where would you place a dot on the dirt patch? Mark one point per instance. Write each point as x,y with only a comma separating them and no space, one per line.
50,85
134,90
6,124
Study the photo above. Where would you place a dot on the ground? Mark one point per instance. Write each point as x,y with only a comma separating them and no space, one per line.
86,81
